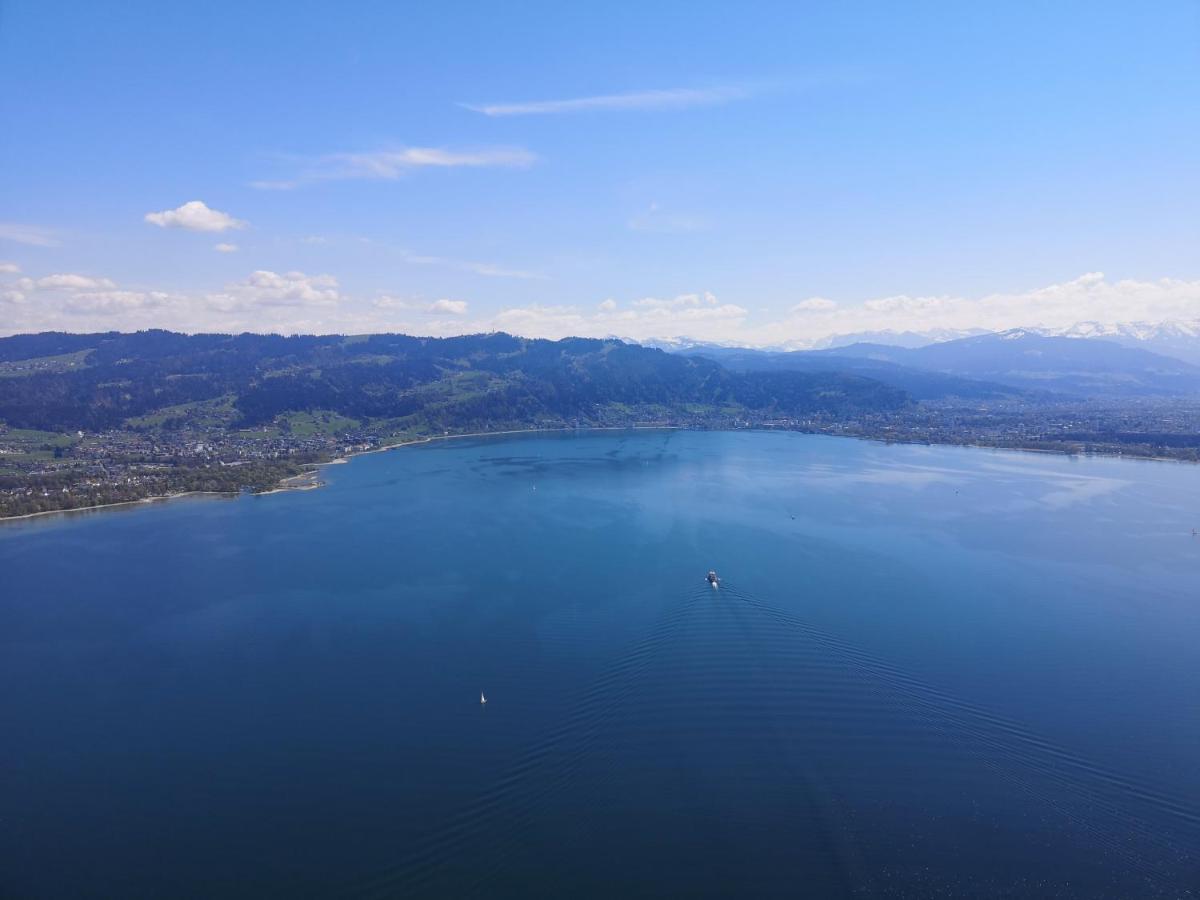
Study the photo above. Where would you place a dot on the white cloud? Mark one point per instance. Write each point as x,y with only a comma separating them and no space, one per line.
8,268
449,307
115,302
32,235
699,315
703,320
683,300
907,305
294,302
194,215
389,302
675,98
291,302
442,307
1090,297
814,304
72,283
225,248
266,288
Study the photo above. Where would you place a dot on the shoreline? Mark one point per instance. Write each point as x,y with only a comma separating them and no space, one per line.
157,498
311,480
305,481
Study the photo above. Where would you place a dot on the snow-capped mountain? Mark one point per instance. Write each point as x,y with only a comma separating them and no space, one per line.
890,338
1179,339
1028,359
906,339
681,344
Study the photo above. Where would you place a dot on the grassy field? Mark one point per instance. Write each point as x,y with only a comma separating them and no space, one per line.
21,447
39,365
319,421
216,413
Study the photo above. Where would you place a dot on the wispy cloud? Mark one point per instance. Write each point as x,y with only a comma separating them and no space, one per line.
672,98
33,235
269,185
394,163
479,268
115,302
658,220
72,282
441,307
391,163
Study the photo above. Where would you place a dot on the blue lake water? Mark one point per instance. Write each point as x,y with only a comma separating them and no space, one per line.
928,671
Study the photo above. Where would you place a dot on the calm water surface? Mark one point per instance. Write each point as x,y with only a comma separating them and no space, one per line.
929,671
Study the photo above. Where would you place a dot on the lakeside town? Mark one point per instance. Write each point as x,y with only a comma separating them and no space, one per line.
42,471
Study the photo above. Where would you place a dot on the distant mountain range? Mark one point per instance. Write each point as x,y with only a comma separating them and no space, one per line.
910,339
919,383
58,381
1018,363
1032,361
888,337
1179,339
64,382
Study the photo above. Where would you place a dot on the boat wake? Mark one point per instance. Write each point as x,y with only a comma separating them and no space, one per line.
774,725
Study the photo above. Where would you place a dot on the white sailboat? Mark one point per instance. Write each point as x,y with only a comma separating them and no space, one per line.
482,698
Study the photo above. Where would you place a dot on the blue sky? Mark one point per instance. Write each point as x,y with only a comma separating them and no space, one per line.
758,173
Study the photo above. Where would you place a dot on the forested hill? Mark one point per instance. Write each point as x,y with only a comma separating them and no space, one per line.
96,382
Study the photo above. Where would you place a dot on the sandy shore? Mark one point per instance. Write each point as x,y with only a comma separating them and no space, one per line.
305,481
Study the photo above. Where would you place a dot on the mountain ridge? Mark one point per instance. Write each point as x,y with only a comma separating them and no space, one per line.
1027,361
61,382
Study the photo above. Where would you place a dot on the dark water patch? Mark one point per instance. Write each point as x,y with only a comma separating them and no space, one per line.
894,692
1150,832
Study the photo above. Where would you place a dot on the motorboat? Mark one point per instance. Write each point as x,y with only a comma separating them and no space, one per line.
712,579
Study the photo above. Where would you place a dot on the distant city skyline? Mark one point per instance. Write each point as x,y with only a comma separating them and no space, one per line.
765,175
